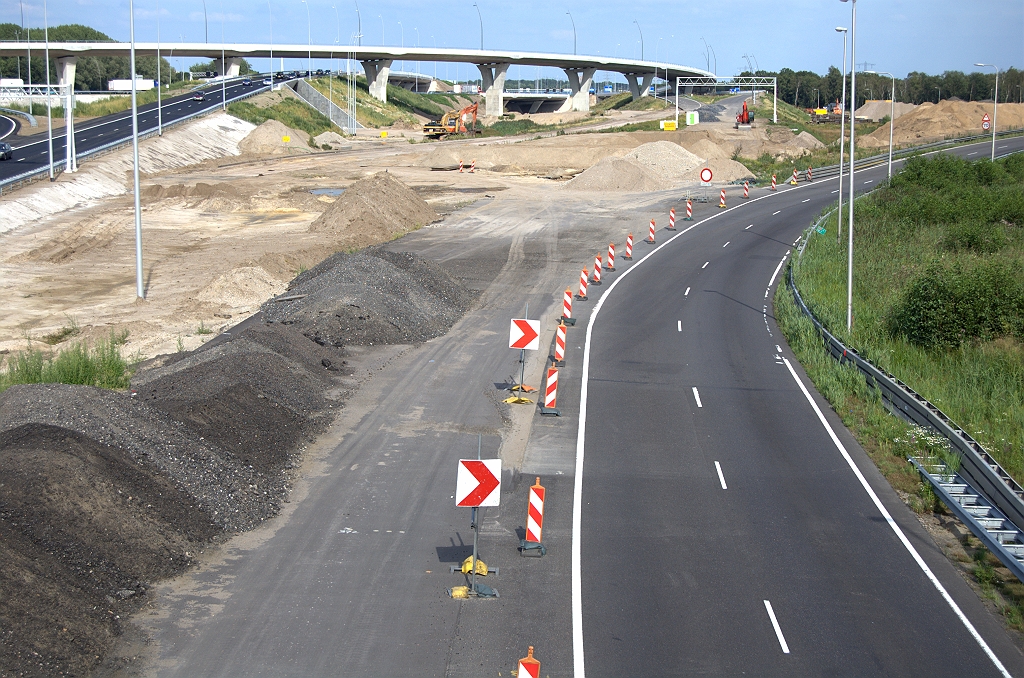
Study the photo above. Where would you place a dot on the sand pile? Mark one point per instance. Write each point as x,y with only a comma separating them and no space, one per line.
707,149
241,288
933,122
723,169
664,159
274,138
616,174
875,110
372,297
805,140
332,139
566,153
372,210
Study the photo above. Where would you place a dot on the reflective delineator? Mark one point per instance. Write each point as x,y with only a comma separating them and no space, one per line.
528,666
773,182
460,167
610,264
597,270
793,180
583,284
472,167
721,201
810,174
650,237
689,210
550,393
672,219
535,512
567,304
560,343
746,189
629,247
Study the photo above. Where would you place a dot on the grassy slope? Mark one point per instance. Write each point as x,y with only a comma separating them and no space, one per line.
291,112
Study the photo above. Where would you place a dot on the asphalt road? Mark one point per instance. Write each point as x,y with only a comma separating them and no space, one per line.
351,579
712,491
7,126
116,127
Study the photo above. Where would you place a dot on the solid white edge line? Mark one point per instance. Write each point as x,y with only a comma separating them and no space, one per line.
679,325
721,476
778,629
896,528
696,396
576,587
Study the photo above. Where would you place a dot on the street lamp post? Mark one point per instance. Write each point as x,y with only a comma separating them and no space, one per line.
206,22
359,26
139,291
270,13
939,99
842,139
853,107
223,64
641,39
330,76
573,32
309,41
995,106
481,17
892,112
817,99
49,113
159,85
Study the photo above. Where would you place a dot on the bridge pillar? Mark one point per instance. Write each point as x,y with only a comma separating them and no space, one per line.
493,77
377,71
234,66
639,89
66,68
580,82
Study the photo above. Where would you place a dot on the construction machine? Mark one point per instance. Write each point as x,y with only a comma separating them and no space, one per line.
831,113
452,122
745,120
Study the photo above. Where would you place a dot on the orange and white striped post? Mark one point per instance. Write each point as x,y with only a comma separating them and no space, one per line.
560,345
793,180
551,393
460,167
582,296
528,666
650,237
472,167
773,182
610,264
567,308
535,513
672,219
746,189
721,201
629,247
596,278
689,210
810,174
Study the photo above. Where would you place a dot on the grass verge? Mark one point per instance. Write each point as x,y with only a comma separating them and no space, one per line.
100,364
291,112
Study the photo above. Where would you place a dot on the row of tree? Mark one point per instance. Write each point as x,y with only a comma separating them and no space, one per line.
806,89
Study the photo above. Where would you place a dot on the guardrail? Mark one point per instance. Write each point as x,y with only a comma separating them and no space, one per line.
977,466
58,165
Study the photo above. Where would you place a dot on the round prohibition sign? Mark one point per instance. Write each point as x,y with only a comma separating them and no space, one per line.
705,175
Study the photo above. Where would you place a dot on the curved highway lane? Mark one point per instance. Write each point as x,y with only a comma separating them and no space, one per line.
719,528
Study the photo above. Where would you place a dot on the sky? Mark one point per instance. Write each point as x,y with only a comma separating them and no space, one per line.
899,36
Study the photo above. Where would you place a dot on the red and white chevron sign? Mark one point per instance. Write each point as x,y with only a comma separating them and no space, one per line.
524,333
478,482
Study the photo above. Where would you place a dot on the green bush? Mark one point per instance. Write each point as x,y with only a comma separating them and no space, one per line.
97,365
973,236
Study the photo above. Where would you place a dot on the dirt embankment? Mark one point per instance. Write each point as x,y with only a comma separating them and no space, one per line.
934,122
274,138
103,493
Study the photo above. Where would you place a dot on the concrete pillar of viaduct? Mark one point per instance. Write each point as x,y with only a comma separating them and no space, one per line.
580,81
66,68
234,66
493,80
639,88
377,71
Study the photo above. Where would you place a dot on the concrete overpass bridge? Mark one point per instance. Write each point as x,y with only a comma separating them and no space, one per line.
376,62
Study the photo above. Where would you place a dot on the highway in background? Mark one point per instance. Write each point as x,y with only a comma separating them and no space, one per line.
117,126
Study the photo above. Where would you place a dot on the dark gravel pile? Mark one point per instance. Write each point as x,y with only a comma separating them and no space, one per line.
711,112
372,297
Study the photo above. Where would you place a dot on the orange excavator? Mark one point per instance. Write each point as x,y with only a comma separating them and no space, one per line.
452,122
745,118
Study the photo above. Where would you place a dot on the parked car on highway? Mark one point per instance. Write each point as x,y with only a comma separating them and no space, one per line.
198,96
247,82
6,151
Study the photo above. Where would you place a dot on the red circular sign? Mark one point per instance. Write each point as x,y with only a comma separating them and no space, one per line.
705,175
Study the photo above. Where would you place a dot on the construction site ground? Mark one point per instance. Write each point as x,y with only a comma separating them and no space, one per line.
217,442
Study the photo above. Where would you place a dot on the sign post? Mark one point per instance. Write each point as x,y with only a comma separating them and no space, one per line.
524,334
477,484
986,122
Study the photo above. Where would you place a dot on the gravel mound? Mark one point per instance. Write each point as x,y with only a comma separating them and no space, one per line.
374,209
372,297
933,122
616,174
332,139
711,112
240,288
876,110
723,170
805,140
664,159
708,149
270,139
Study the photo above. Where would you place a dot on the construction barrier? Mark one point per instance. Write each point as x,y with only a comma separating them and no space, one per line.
773,182
472,167
629,247
567,308
746,189
583,284
793,180
689,210
650,237
610,264
528,666
551,393
535,513
672,219
560,345
596,278
460,167
810,176
721,201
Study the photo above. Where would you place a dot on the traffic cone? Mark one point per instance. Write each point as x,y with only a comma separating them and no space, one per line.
582,296
629,247
721,201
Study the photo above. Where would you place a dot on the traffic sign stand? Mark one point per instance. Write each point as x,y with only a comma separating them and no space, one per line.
531,341
486,492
